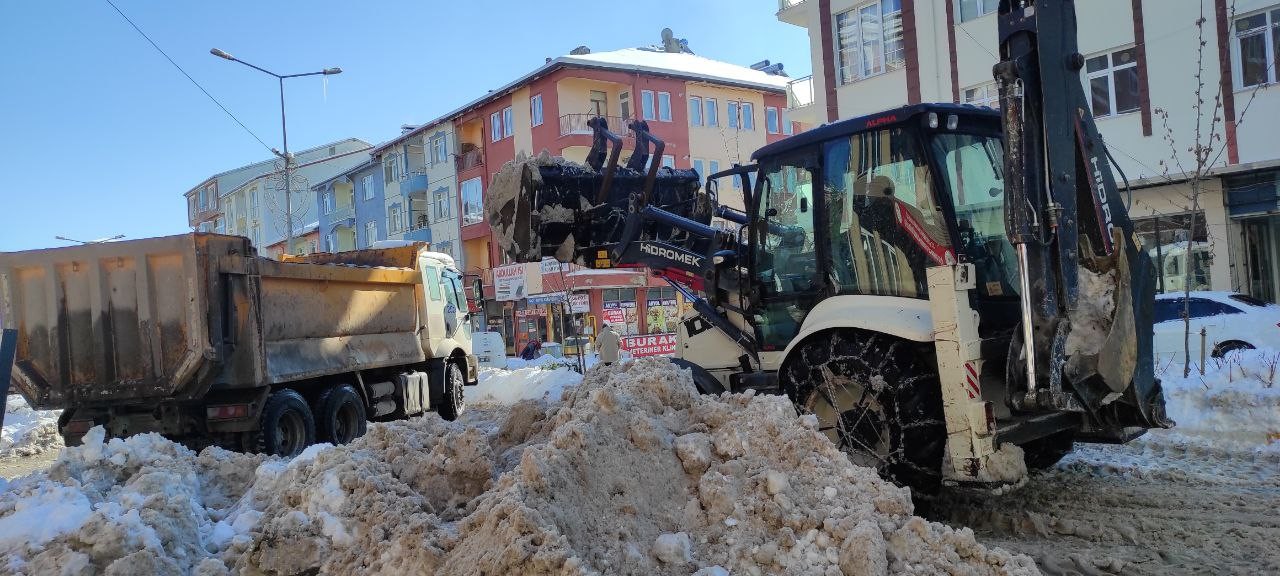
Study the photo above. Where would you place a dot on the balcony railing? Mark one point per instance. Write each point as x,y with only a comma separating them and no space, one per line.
577,124
784,4
339,215
469,159
800,92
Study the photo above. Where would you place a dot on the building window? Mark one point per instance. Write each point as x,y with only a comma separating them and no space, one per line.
508,123
733,113
869,40
395,219
367,183
1113,82
370,233
695,111
1165,238
619,311
771,119
1257,46
333,150
646,104
495,126
472,202
441,198
624,103
439,149
535,110
985,94
328,202
971,9
661,312
697,167
253,203
713,167
712,112
599,103
788,128
669,161
391,168
664,106
748,116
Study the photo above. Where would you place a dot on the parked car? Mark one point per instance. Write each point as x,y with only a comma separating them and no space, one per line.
490,350
1231,321
572,343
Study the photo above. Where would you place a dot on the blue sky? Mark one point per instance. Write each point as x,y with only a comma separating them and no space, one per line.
102,135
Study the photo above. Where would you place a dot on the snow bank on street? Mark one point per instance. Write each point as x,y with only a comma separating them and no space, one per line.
631,472
510,386
1236,401
27,431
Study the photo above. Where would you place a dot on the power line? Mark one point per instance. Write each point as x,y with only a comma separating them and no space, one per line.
184,73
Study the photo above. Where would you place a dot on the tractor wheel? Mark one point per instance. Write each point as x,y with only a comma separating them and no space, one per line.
340,415
878,398
1043,453
287,426
452,404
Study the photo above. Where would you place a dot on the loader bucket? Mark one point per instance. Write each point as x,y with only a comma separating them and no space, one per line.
576,213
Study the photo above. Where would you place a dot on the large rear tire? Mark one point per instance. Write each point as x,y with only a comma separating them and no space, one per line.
340,415
878,398
452,404
287,426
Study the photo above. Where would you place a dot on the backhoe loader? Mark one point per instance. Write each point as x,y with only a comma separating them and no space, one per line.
937,283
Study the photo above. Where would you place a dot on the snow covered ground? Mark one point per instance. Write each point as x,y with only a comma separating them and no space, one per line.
28,432
632,472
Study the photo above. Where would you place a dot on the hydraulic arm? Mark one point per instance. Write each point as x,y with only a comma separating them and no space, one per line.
1086,285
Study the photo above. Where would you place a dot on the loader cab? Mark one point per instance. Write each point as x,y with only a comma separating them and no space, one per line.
863,206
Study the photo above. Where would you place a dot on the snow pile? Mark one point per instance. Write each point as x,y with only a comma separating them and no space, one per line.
632,472
1236,401
28,432
510,386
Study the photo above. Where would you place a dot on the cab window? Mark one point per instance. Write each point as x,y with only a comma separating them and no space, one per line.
885,226
433,282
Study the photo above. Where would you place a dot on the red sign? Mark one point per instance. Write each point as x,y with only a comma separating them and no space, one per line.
614,315
649,345
937,252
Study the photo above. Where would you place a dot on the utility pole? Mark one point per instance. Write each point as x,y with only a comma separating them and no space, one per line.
284,134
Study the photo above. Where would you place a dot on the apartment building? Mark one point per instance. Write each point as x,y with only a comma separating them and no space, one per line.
350,208
249,201
421,197
1140,59
710,114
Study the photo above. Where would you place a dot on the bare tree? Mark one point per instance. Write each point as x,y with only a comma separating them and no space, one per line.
1206,151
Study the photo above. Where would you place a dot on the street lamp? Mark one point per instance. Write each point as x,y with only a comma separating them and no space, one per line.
284,131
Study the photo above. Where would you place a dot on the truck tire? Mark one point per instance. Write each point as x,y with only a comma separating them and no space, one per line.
878,398
340,415
1043,453
287,426
452,404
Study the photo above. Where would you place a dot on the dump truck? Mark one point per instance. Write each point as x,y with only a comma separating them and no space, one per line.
936,283
200,339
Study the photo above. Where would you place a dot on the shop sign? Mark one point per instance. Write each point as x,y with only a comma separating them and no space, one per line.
509,282
613,315
649,345
531,312
580,302
552,266
548,298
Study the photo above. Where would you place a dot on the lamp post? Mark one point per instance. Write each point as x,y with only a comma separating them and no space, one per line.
284,133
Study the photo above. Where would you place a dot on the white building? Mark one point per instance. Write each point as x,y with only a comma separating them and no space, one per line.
1141,55
250,201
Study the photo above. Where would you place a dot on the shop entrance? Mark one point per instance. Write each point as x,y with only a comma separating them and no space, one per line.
1261,236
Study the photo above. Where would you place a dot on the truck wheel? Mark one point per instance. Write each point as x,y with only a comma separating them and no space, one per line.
452,404
340,416
287,424
878,398
1043,453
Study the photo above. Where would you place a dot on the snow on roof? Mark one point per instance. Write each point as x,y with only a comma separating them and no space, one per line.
679,63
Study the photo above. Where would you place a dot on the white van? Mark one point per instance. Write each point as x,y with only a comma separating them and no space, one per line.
490,349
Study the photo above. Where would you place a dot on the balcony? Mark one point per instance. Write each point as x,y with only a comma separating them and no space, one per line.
469,159
339,216
571,124
800,101
415,181
794,12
